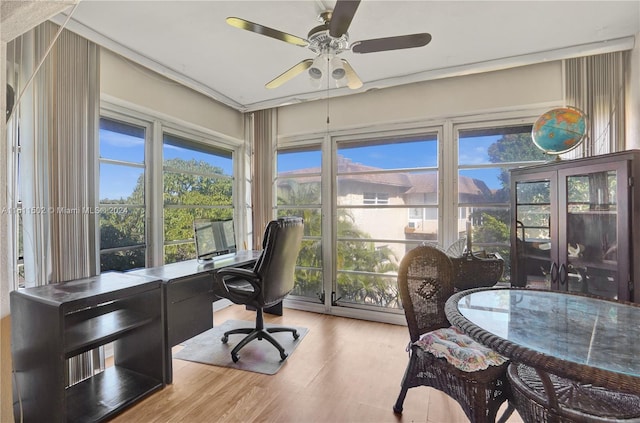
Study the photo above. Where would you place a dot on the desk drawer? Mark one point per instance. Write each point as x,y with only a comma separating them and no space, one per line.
193,286
188,318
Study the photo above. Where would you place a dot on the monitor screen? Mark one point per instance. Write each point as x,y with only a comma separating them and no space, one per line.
214,238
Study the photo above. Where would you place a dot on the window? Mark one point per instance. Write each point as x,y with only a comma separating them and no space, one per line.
190,176
375,198
391,193
197,183
485,156
122,203
386,189
299,192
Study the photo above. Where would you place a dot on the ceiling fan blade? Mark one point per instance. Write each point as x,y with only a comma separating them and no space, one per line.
353,79
342,16
391,43
289,74
269,32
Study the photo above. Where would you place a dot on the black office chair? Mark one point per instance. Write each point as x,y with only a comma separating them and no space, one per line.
265,285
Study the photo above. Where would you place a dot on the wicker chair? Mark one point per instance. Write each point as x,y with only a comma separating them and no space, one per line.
473,269
425,281
572,401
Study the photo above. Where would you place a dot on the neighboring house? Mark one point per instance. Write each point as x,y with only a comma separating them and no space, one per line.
360,188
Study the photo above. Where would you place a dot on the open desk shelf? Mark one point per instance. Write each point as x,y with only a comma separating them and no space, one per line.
55,322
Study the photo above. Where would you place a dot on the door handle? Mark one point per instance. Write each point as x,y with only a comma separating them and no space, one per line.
554,272
563,274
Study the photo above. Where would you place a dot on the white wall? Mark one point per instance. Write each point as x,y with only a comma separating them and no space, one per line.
133,84
492,91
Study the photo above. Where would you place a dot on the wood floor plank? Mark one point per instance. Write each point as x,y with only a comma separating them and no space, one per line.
344,370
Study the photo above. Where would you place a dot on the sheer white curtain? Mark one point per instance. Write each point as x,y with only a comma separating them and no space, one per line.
264,150
53,136
53,140
597,85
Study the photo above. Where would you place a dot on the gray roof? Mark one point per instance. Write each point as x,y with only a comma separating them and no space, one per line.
413,183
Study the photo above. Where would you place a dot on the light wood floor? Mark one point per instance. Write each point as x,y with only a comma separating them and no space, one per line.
344,370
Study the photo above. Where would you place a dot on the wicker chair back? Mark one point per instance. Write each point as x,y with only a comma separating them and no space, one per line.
425,282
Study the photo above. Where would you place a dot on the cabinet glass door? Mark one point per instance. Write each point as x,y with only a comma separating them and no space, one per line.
589,240
534,255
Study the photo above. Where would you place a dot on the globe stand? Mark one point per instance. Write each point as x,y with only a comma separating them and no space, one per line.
553,157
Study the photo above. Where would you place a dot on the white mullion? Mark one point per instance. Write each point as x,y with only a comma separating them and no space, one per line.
153,195
448,185
329,210
242,201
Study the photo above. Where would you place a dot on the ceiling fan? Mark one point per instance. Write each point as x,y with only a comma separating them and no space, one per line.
327,41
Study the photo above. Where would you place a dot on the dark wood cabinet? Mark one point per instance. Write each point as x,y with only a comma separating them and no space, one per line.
573,225
52,323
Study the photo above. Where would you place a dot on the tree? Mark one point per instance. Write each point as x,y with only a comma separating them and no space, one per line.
192,189
513,148
493,226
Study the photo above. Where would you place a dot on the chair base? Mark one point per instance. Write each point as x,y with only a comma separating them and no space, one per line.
260,333
480,394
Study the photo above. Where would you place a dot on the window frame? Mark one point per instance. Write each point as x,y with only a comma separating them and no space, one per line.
313,144
447,181
381,137
469,207
200,141
147,126
154,204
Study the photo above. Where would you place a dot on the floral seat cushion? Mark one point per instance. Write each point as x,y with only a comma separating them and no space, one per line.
459,350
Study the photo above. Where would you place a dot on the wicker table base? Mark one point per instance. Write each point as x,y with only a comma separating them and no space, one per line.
575,402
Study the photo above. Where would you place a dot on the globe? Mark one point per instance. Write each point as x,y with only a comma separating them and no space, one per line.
559,130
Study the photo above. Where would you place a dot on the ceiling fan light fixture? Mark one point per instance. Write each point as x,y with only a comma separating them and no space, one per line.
337,69
315,71
340,83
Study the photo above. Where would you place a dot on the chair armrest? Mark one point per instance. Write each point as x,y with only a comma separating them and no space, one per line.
238,296
239,272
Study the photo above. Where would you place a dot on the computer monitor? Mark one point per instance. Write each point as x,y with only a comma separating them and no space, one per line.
214,238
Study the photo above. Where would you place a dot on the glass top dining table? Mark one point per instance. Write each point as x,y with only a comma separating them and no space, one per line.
587,339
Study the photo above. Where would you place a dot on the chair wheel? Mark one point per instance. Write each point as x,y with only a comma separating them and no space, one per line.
296,335
397,410
224,339
235,358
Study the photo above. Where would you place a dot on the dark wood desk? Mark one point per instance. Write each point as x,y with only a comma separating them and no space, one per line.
187,288
585,339
53,323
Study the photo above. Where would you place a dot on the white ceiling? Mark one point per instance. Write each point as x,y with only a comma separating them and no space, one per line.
190,41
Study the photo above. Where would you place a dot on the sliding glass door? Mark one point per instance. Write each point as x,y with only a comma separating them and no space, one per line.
299,193
386,203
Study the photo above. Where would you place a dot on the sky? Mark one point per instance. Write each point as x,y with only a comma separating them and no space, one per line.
119,181
472,151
